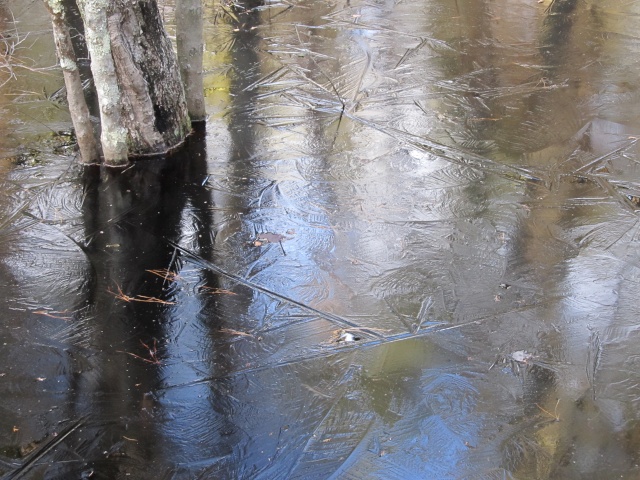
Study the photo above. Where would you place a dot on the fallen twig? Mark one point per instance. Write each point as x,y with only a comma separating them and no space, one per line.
552,415
120,295
235,332
51,314
153,354
165,274
216,291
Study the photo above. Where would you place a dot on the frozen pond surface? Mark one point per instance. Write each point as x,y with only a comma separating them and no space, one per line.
405,246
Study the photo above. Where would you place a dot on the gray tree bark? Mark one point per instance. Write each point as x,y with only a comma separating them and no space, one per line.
87,142
96,31
190,43
148,59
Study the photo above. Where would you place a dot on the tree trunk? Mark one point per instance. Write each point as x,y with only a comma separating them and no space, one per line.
190,43
87,142
147,59
114,133
143,110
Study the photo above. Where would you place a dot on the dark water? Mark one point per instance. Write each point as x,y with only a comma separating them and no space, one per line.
405,246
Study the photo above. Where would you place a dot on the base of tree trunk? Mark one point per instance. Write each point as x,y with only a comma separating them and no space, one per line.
143,108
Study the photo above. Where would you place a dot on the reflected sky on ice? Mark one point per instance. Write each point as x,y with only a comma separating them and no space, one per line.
403,246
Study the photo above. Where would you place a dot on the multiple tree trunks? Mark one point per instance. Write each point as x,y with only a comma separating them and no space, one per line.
143,108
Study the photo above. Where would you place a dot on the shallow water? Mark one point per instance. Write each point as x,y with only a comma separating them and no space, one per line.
405,245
